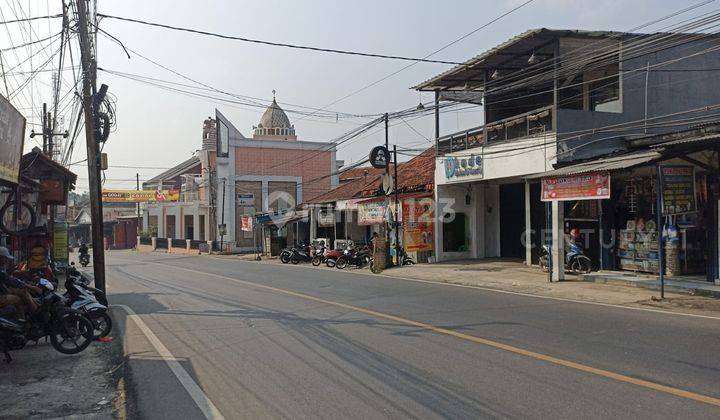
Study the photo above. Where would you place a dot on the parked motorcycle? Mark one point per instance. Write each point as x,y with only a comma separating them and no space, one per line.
85,282
285,255
81,298
301,253
319,252
357,257
69,330
406,259
331,257
575,259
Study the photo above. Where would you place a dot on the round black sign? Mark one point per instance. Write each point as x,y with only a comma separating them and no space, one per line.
379,157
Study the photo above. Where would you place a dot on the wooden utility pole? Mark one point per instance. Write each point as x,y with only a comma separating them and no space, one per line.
93,156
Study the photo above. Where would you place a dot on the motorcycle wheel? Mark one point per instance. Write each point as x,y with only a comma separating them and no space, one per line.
73,334
102,323
581,265
316,261
330,262
284,257
543,262
294,259
341,263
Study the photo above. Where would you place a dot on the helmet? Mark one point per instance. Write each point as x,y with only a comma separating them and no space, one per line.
575,232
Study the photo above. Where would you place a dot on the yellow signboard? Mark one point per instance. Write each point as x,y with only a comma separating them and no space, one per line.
142,196
60,242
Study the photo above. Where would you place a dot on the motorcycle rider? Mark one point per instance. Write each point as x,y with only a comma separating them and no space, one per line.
83,249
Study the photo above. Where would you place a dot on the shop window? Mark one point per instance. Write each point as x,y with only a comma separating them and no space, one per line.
456,233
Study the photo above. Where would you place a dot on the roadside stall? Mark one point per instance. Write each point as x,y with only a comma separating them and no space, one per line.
614,204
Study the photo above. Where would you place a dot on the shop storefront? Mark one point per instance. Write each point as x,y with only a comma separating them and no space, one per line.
614,204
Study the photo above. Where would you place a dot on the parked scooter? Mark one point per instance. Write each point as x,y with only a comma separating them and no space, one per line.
81,297
70,331
357,257
301,253
406,259
85,282
331,257
575,260
319,254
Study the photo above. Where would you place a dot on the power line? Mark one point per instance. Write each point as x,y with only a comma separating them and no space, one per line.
485,25
28,19
276,44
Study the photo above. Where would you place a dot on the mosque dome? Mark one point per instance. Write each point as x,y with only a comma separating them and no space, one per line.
274,122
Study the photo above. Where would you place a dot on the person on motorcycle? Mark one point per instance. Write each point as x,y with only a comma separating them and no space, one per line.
83,249
573,243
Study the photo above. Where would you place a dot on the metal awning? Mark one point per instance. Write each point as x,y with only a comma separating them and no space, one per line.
615,163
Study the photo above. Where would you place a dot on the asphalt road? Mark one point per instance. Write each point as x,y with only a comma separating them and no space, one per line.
271,341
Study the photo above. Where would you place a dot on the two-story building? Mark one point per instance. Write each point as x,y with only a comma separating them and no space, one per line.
552,98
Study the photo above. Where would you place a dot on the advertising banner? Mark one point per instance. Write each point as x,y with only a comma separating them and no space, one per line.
418,216
372,213
591,186
246,223
678,189
142,196
12,133
60,242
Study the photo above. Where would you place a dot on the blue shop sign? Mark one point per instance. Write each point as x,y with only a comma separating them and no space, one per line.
459,167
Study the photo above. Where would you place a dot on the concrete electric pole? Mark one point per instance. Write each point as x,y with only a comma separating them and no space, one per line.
91,100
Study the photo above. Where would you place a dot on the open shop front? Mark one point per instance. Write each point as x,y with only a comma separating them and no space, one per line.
618,218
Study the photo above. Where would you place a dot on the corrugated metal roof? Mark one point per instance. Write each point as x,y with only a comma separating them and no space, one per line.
708,138
478,60
602,165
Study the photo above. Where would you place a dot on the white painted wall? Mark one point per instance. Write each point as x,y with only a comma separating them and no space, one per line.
491,213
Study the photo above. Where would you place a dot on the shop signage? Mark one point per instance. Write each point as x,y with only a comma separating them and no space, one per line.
53,191
12,133
418,216
326,218
379,157
460,167
246,200
246,224
593,186
678,183
372,213
60,242
142,196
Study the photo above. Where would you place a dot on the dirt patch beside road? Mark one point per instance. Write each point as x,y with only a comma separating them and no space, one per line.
42,383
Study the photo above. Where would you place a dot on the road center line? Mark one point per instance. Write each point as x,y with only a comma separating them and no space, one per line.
196,393
507,292
479,340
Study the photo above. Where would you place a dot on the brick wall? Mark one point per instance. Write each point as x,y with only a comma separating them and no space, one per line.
308,164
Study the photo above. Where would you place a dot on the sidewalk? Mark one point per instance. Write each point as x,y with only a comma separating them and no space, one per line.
514,276
43,383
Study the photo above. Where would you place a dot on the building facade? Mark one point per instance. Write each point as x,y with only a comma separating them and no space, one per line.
552,98
235,176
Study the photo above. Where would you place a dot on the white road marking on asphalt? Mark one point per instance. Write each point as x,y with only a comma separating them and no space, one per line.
192,388
509,292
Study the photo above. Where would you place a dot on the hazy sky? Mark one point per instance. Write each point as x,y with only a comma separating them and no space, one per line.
159,128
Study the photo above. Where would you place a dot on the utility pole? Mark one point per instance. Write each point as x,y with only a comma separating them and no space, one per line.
89,103
397,203
387,199
137,181
45,129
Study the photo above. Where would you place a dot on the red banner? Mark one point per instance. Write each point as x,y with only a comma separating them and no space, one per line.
246,223
591,186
